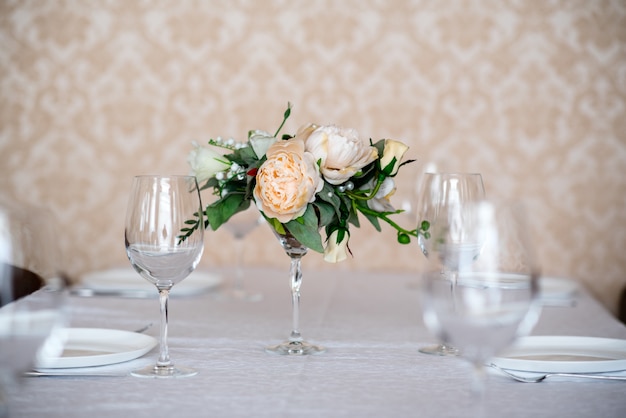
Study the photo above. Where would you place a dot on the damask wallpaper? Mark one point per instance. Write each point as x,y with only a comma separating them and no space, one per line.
532,94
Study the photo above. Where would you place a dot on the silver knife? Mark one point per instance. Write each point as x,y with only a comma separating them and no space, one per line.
37,373
120,293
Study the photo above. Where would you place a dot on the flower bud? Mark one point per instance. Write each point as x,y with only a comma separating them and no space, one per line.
260,142
336,249
392,154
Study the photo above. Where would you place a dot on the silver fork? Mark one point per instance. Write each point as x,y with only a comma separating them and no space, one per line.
542,377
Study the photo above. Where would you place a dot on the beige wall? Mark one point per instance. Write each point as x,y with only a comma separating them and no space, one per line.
532,94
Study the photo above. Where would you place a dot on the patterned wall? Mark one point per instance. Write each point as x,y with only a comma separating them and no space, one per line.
532,94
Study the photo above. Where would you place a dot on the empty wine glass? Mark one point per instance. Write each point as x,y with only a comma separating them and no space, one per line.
159,212
240,225
32,292
495,299
441,204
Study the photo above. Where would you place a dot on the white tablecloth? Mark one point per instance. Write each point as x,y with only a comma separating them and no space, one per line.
371,326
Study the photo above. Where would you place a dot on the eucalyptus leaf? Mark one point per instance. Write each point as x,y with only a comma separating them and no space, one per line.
326,212
306,230
327,194
221,211
307,235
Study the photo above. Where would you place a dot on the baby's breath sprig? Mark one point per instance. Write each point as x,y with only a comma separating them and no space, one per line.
229,144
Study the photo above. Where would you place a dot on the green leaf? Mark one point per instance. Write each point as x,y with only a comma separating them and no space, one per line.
327,194
353,216
222,210
379,145
244,156
305,229
372,218
326,212
367,173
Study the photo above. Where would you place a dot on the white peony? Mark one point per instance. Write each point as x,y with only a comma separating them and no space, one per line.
340,151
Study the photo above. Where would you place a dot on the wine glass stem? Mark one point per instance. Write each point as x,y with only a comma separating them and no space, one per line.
453,281
295,272
479,383
164,354
4,400
238,281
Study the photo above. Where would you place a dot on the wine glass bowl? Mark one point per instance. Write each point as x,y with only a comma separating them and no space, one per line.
494,299
163,236
240,225
441,203
32,291
444,203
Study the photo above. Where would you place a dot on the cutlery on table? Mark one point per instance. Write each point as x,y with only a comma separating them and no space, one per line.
120,293
541,377
37,373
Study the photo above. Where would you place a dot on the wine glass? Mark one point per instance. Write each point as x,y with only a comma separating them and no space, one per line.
240,225
495,298
32,292
163,247
295,345
441,204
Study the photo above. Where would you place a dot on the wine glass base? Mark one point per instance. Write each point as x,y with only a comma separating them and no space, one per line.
440,350
158,372
295,348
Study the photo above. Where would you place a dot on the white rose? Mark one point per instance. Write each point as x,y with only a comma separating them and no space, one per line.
393,149
260,142
340,152
206,163
336,251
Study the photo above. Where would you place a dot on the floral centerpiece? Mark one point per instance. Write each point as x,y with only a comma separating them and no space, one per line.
322,177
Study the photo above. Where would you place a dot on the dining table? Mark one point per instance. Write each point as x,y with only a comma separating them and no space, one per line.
370,323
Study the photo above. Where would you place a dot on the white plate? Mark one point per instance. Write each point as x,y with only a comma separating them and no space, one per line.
554,354
553,287
86,347
129,281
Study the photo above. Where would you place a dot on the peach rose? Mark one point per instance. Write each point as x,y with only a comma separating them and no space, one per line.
341,152
287,181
